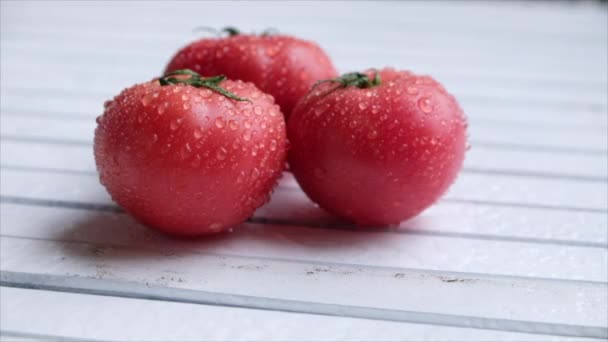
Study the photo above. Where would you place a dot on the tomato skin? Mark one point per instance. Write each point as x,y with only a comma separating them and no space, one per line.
282,66
379,155
189,161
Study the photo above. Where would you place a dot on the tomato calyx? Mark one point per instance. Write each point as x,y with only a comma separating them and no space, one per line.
231,31
195,80
352,79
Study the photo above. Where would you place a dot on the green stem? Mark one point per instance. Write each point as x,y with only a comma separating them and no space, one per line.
232,31
354,79
195,80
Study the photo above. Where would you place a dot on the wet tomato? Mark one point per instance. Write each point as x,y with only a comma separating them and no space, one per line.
282,66
189,155
377,147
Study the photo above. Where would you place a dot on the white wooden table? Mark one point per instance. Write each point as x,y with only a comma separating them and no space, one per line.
517,250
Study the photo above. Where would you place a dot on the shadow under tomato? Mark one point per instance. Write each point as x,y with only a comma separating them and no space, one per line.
98,236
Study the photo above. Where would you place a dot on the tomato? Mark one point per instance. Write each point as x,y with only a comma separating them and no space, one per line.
377,148
190,156
282,66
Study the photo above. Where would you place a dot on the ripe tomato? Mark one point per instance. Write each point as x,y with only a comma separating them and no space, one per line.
189,157
282,66
377,150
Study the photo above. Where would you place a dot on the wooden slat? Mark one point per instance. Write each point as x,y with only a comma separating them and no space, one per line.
513,258
111,318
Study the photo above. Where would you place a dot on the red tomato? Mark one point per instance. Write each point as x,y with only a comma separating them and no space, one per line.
377,152
189,160
282,66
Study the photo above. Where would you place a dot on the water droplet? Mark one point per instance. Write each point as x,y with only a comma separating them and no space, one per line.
186,151
273,145
368,94
254,151
165,149
185,97
176,89
146,99
240,177
425,105
362,105
352,124
247,135
273,111
154,138
175,123
255,173
233,125
433,141
161,109
198,133
196,161
411,89
272,51
464,123
318,110
372,134
215,227
247,124
222,153
186,105
219,122
375,110
205,93
258,110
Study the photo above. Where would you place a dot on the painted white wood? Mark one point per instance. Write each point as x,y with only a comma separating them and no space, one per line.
12,338
294,242
314,283
111,318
